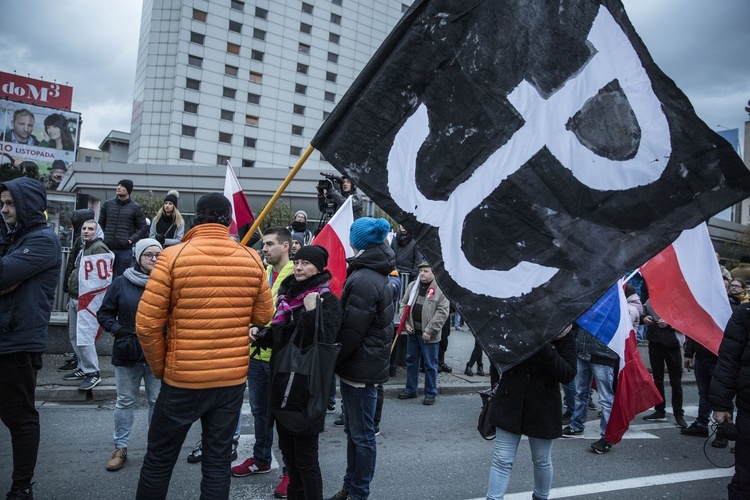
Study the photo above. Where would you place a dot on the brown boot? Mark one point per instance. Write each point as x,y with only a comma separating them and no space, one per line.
119,457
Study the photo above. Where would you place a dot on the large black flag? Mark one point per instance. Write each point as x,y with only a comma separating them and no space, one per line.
535,152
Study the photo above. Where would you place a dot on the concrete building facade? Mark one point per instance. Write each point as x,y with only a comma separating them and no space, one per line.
247,81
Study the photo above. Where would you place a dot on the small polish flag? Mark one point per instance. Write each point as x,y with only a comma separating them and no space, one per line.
241,212
686,288
334,237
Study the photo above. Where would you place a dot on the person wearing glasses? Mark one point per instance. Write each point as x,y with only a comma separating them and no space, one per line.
117,316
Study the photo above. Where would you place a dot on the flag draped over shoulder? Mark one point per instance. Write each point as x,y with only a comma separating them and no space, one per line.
334,237
94,277
535,154
686,289
609,321
241,212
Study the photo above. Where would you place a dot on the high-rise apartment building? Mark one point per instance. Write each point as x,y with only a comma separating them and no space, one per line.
250,81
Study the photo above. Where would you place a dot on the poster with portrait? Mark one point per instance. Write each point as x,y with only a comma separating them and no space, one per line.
38,137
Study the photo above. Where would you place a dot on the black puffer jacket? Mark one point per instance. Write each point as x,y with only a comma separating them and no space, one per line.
117,316
77,218
122,221
367,325
528,399
732,375
408,256
30,262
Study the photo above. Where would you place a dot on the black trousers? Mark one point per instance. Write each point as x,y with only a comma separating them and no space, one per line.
301,457
739,486
672,357
17,411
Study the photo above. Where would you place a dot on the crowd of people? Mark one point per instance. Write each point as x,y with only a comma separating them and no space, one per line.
165,296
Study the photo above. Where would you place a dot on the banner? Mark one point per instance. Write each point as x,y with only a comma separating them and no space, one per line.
33,91
94,277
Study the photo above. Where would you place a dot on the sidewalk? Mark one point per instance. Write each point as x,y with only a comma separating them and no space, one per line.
51,386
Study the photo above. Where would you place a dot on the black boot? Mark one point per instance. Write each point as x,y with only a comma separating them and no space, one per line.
468,370
480,370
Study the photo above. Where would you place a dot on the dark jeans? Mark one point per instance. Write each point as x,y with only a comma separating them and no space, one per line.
659,355
301,457
123,258
17,411
361,449
704,371
176,409
258,385
739,486
476,355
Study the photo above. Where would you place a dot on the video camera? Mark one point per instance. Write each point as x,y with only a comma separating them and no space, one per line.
326,185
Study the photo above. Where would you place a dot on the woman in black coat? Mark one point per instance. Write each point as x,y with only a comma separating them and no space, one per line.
299,296
528,402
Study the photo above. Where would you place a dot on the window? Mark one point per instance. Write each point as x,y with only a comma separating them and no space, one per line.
195,61
199,15
233,48
329,96
190,107
300,89
231,70
256,55
335,18
298,109
251,120
259,34
222,160
295,151
250,142
236,5
229,93
261,13
248,163
334,38
334,58
304,48
192,83
186,154
188,130
225,137
305,28
307,8
297,130
302,68
331,77
235,26
253,98
197,38
88,159
256,77
336,2
227,114
326,114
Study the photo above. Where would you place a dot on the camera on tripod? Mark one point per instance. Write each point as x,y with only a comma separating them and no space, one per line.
326,185
326,203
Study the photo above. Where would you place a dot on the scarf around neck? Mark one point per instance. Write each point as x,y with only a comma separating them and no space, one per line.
292,295
136,276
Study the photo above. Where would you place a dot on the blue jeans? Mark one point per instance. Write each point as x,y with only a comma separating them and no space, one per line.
258,385
128,383
604,376
506,447
414,346
569,390
359,426
175,412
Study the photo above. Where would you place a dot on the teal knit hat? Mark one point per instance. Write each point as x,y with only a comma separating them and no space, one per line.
367,231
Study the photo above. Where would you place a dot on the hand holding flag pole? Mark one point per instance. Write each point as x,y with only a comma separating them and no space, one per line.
277,194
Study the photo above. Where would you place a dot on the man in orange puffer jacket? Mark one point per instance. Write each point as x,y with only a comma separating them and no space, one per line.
206,291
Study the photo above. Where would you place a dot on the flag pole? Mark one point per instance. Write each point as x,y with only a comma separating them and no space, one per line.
276,195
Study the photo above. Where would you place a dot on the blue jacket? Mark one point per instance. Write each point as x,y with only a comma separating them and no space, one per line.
30,261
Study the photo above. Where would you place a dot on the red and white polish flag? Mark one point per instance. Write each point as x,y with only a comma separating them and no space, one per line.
334,237
241,212
686,288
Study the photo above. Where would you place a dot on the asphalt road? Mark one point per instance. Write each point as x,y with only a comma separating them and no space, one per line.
423,453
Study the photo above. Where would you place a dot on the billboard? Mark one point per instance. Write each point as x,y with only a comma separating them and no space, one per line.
35,136
33,91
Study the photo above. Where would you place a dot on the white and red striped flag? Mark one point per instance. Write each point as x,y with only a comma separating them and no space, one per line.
334,237
241,212
686,289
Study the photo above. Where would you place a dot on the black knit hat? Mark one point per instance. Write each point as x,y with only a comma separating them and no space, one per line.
214,207
315,255
172,196
127,184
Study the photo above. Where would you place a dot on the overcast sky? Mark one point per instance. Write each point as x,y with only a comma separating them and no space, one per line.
703,45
